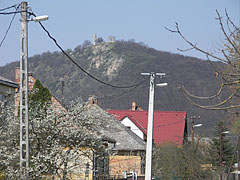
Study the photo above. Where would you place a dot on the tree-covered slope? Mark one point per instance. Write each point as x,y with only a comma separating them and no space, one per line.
121,64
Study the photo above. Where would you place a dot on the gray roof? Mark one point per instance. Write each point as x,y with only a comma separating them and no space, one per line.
125,139
8,82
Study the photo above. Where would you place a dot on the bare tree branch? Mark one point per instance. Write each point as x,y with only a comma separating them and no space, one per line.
209,97
231,73
229,19
193,45
225,34
213,107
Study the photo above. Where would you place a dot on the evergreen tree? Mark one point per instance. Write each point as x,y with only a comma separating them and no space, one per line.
39,100
39,94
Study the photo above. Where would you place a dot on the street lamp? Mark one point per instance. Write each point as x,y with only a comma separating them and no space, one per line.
197,125
24,136
39,18
162,84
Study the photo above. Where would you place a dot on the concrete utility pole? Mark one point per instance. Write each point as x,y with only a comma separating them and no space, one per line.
192,130
148,168
221,151
220,154
24,141
24,135
238,151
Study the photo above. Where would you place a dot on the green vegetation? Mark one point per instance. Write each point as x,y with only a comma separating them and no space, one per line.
187,162
2,177
40,94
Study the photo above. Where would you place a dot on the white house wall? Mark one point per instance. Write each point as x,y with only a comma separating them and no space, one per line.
128,123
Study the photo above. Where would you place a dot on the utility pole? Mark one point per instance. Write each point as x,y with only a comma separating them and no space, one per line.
220,153
192,118
24,136
63,84
192,129
148,168
24,128
238,151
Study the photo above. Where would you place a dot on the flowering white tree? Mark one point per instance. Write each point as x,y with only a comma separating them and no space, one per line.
61,142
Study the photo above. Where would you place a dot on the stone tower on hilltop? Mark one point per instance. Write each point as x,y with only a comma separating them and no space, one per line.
111,39
94,39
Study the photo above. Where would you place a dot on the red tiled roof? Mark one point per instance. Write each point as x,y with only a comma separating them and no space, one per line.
168,126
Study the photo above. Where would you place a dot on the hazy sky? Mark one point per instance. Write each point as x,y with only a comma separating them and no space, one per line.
73,21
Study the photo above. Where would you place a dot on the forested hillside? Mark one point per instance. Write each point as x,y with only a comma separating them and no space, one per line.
121,64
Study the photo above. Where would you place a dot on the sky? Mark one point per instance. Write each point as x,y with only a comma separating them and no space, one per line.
74,21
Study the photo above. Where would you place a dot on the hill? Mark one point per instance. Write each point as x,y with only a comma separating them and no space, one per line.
121,64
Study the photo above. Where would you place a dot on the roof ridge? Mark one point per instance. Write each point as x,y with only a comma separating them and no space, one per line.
126,110
134,143
172,123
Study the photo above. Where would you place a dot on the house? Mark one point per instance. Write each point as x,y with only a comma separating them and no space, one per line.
128,151
124,152
169,126
7,93
7,88
125,149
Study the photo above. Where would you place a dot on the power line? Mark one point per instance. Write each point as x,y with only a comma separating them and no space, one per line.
9,24
82,69
13,6
9,13
116,95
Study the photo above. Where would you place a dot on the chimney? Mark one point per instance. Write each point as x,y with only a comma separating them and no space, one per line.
17,75
31,80
92,100
134,106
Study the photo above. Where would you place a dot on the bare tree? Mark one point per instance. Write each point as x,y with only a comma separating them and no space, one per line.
230,51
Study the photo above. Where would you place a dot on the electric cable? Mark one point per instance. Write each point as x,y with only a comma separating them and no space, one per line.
82,69
9,25
13,6
117,95
9,13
